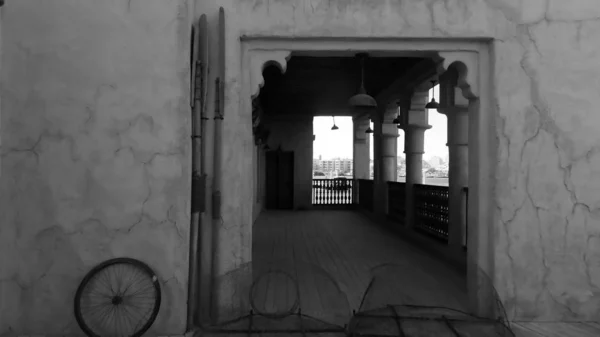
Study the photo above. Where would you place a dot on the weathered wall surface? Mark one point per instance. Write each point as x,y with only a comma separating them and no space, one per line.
95,155
545,52
297,136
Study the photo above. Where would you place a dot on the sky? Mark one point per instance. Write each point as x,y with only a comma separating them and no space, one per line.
338,143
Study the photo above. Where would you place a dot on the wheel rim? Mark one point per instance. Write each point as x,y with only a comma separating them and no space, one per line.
119,300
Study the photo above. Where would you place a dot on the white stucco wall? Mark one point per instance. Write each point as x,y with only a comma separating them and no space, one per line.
545,70
95,142
95,153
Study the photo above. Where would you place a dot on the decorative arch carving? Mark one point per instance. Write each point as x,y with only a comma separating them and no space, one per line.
467,66
260,59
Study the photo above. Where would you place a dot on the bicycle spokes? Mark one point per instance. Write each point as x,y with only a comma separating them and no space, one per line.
119,300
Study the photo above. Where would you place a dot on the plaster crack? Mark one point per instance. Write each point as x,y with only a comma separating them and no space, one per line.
538,209
148,195
172,222
509,254
587,262
31,149
434,27
57,136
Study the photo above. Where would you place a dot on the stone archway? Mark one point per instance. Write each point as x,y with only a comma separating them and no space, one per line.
472,60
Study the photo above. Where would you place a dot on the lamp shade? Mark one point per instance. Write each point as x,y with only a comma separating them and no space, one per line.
334,127
432,105
362,100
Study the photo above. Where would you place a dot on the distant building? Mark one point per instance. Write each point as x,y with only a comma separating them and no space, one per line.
337,164
316,164
436,162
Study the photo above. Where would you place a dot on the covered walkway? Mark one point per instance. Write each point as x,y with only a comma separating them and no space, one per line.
347,245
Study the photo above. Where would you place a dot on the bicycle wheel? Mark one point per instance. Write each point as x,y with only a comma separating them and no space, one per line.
119,297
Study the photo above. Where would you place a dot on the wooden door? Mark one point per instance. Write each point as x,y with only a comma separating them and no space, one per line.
272,179
280,180
285,185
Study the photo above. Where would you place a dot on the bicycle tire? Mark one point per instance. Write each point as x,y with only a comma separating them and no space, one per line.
279,314
94,271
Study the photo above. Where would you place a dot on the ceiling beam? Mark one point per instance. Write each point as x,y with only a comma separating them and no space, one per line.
422,71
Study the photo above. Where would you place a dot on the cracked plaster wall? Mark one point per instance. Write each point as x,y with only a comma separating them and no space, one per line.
95,153
72,186
545,72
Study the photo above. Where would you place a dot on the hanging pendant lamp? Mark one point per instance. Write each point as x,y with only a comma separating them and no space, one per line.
369,130
334,127
433,104
361,100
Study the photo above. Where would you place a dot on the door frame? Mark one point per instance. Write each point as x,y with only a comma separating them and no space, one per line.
259,51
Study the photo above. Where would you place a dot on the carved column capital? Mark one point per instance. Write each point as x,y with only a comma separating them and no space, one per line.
466,64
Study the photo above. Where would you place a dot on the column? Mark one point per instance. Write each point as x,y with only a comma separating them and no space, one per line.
458,172
378,192
386,156
456,108
389,145
416,123
360,152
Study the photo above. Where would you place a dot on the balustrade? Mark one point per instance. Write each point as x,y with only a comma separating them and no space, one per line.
431,202
431,210
332,192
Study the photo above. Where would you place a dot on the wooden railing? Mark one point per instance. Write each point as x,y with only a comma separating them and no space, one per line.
365,194
332,192
431,210
397,201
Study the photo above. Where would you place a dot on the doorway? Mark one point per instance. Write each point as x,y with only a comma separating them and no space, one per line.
280,180
472,55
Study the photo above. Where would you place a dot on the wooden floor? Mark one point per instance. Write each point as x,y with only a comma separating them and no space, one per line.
312,245
346,246
556,329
